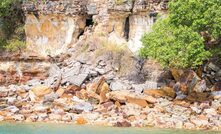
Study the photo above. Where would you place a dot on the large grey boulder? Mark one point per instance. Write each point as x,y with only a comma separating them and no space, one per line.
81,105
119,85
77,80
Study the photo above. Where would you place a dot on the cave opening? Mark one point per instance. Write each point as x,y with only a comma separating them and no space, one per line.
88,24
89,21
127,28
153,16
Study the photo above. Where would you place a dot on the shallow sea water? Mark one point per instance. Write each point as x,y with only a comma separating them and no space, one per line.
49,128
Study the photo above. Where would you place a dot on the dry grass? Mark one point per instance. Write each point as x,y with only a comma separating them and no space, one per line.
120,54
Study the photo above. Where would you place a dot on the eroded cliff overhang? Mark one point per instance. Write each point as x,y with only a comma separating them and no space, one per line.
53,25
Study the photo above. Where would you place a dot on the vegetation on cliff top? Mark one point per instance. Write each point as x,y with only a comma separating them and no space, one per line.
188,36
12,33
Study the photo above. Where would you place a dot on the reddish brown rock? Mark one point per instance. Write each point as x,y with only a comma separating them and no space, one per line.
130,97
188,80
198,97
123,124
140,102
182,103
219,110
96,86
108,104
65,95
131,118
176,73
81,121
169,92
104,90
117,104
216,87
72,89
79,95
118,96
166,91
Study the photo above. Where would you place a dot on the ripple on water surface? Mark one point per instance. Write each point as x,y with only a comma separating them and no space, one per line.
46,128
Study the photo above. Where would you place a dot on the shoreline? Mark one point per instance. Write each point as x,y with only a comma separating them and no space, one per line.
52,123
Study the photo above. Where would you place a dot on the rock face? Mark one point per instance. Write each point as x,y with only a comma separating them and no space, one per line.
52,33
51,26
20,70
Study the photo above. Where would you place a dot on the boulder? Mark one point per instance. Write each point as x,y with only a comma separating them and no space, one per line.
119,85
200,86
216,87
104,90
213,67
176,73
50,97
42,116
181,103
119,96
40,108
164,92
97,90
96,85
33,82
201,121
78,80
3,92
81,121
60,92
87,95
188,81
137,101
125,96
12,109
55,117
218,74
81,105
147,85
40,91
72,89
198,97
210,111
123,124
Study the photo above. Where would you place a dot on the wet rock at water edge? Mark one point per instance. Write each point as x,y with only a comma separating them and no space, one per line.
123,124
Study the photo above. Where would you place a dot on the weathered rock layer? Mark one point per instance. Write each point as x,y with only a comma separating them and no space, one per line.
53,25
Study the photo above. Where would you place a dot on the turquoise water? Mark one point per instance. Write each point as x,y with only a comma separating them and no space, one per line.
44,128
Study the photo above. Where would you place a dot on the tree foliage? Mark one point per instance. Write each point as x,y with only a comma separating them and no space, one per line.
173,46
184,39
203,16
11,25
5,7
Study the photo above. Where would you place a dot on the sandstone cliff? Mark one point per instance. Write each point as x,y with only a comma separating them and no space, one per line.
56,24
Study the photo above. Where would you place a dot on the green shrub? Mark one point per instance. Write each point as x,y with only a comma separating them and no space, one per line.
199,15
12,25
177,47
188,36
14,45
